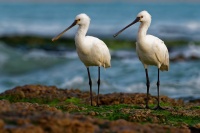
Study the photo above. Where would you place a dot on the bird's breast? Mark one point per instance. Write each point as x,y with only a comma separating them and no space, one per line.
88,59
146,56
143,46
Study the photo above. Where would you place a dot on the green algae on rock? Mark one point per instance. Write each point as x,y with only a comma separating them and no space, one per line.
49,109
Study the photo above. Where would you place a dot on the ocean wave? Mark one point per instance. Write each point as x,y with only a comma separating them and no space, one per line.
15,61
18,67
178,91
72,83
37,54
186,52
191,51
187,30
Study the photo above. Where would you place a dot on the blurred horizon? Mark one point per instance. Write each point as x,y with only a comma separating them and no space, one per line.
172,21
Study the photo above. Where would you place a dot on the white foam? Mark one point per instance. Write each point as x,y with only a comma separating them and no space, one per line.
71,54
191,50
36,53
136,88
3,59
72,82
193,26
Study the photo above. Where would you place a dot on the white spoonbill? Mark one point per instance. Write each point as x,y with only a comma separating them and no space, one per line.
150,50
91,50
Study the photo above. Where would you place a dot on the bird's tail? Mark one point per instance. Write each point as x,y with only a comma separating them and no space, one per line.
106,65
165,65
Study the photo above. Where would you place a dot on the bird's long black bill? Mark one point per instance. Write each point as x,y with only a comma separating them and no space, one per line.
59,35
135,21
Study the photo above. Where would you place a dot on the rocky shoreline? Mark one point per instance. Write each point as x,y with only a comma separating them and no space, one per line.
47,109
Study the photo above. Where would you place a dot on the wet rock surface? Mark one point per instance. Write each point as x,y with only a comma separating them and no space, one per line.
47,109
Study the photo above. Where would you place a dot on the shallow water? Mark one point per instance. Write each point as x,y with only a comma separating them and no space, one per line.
127,74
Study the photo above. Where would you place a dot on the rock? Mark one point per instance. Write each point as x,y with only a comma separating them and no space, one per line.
2,124
4,106
28,117
92,113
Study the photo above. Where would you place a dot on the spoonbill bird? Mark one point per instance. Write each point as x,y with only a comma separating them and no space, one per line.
91,50
150,50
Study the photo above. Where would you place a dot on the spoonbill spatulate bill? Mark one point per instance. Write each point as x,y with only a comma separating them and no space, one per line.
91,50
150,50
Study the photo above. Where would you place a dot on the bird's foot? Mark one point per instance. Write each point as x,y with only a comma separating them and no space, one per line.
158,107
97,103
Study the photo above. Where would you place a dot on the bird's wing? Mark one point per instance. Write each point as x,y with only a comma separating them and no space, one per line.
105,57
158,52
101,51
137,51
161,52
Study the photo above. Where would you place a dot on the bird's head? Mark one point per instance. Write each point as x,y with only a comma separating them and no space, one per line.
81,19
142,17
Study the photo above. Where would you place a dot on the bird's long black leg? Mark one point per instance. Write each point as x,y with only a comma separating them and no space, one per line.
148,85
158,107
90,83
98,82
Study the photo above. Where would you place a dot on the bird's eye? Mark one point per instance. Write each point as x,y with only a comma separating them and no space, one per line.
141,17
78,19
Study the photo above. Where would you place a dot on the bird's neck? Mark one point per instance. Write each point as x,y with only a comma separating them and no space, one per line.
80,38
81,33
142,32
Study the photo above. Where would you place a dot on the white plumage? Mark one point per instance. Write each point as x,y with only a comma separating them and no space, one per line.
91,50
153,52
150,50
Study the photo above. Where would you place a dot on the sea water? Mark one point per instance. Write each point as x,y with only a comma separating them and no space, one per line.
170,21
